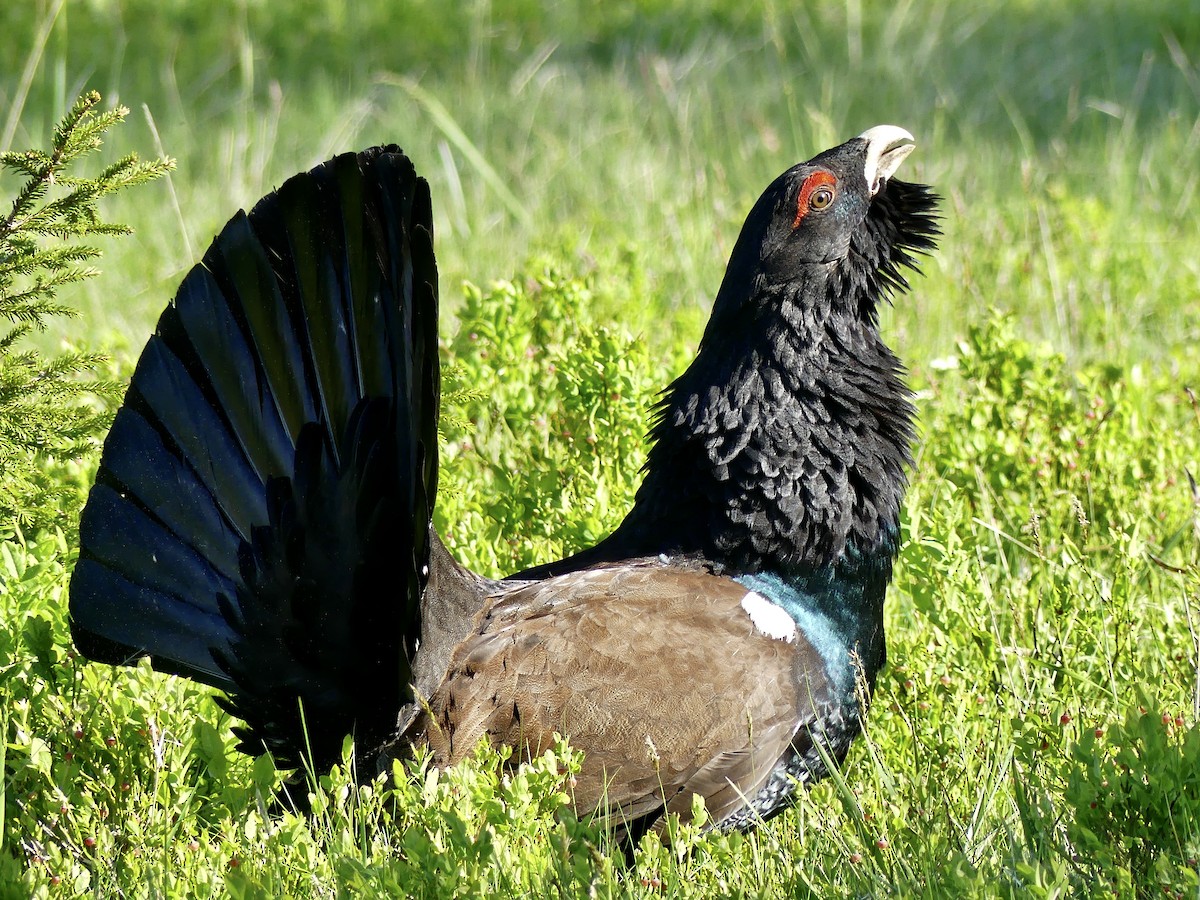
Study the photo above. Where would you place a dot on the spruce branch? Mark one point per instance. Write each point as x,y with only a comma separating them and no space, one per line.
53,410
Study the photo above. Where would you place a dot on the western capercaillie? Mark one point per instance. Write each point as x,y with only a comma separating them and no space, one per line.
261,519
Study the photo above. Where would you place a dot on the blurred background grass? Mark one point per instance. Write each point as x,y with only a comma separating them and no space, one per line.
630,138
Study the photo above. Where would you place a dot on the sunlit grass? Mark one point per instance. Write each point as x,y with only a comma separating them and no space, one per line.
1065,139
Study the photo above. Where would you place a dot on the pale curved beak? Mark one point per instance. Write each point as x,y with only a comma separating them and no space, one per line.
887,145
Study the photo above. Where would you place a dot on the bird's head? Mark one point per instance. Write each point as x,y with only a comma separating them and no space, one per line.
810,212
832,216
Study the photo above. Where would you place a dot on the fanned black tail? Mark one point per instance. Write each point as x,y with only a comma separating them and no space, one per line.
260,520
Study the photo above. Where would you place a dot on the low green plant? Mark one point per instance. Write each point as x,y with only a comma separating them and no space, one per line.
1133,791
49,414
552,428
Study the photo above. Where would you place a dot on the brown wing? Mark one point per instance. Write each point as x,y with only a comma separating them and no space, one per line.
657,674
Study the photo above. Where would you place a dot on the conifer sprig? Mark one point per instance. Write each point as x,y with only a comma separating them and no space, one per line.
49,414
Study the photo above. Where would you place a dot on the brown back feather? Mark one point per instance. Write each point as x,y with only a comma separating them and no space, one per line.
596,656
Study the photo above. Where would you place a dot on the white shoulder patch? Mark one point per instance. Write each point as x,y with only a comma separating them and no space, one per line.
769,618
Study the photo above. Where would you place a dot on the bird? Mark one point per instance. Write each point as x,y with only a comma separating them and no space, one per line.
261,518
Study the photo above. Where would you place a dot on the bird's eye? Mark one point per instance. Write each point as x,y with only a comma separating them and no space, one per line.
821,198
816,194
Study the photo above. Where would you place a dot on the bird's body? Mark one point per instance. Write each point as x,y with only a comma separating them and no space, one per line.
573,655
598,655
261,519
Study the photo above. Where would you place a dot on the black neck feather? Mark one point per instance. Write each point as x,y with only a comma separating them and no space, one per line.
787,440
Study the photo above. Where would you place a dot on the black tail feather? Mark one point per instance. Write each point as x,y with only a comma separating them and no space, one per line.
146,616
167,489
261,515
204,324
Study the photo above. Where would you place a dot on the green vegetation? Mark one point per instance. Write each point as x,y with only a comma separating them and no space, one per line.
43,423
1036,732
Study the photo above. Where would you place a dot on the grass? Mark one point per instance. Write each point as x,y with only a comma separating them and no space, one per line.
1035,732
628,137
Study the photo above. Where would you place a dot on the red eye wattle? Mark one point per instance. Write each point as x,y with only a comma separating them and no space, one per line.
817,193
